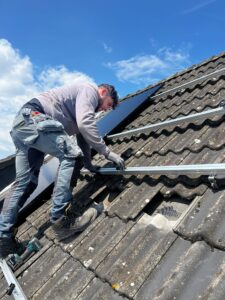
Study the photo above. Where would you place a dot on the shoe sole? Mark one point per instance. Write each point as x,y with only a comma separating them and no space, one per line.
59,237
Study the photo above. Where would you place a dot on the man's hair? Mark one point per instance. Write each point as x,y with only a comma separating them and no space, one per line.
112,92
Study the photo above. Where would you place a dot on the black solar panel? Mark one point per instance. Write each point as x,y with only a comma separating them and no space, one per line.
114,118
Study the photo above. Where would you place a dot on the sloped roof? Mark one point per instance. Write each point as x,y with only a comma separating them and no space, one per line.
160,237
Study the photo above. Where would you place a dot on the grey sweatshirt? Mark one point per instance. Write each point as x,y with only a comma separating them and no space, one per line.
74,106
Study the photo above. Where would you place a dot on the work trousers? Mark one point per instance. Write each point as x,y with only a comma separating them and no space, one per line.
34,135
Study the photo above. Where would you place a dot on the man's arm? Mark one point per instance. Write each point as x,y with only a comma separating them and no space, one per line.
86,103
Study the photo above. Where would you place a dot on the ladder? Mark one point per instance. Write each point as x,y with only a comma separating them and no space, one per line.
14,286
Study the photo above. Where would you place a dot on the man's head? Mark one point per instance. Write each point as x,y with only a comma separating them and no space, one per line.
108,97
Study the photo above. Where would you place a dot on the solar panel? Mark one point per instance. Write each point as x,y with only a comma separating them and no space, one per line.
126,108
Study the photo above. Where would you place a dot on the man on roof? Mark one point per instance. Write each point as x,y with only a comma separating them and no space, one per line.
44,126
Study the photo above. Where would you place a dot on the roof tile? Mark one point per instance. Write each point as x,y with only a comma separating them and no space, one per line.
66,283
99,290
206,220
42,270
100,241
187,271
132,260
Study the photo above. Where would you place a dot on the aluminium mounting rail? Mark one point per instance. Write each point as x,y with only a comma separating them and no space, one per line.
14,286
200,169
199,79
148,128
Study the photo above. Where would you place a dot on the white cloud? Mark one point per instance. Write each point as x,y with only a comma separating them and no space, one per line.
150,68
197,7
19,83
60,75
107,48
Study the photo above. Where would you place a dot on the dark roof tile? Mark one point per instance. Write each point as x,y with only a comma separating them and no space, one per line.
137,254
187,271
205,221
133,200
183,191
96,245
99,290
66,283
42,270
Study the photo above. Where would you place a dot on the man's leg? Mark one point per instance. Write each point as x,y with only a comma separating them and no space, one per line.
60,145
28,162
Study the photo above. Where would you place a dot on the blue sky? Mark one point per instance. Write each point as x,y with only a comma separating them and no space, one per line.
131,44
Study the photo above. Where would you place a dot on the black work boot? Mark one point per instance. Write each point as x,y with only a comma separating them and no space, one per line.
67,225
9,245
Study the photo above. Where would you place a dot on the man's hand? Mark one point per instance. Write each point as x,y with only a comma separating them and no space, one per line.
117,159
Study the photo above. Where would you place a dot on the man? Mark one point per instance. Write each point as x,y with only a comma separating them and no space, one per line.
43,126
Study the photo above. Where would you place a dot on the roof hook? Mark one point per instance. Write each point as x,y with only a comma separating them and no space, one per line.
213,182
222,104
